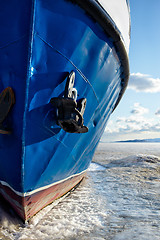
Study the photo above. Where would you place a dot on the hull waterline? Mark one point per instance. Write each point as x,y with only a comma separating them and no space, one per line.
27,205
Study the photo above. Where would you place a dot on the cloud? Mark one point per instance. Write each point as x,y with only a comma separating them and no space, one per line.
133,125
139,110
144,83
157,113
136,122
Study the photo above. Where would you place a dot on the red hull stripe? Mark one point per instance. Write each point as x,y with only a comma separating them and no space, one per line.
28,205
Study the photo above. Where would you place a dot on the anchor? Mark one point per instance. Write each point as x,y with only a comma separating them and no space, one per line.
70,111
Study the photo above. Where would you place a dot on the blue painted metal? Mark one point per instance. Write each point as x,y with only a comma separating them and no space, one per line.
40,43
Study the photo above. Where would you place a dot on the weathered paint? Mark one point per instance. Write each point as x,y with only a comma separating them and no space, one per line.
28,205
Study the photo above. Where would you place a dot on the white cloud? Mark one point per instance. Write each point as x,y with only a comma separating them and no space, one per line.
135,123
157,113
139,110
144,83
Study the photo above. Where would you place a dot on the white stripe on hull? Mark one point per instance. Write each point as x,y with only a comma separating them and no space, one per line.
41,188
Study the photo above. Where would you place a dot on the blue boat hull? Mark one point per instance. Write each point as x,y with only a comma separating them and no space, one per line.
41,43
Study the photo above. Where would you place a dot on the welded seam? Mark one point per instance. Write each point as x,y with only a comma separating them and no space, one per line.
78,70
30,48
13,42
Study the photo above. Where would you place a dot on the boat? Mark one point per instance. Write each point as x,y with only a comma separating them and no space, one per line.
63,70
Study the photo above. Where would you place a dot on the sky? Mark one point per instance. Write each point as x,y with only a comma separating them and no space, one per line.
138,114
